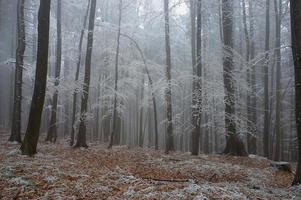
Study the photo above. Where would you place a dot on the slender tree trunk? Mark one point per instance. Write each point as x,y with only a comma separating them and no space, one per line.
169,123
278,8
30,141
197,85
52,131
266,130
17,109
116,78
249,98
80,46
141,135
81,139
295,8
234,145
253,138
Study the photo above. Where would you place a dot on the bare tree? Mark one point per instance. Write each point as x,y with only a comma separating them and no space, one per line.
197,87
234,145
169,124
81,138
116,78
52,131
16,121
266,130
80,46
295,8
278,11
30,141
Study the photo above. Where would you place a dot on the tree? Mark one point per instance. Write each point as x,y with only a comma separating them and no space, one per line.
17,109
234,145
197,88
52,131
251,101
266,130
278,11
80,46
295,8
168,100
30,141
81,138
114,130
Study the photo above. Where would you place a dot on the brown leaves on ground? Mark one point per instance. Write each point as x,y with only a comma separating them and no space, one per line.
61,172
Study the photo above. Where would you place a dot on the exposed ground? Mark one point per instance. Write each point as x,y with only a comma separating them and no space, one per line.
60,172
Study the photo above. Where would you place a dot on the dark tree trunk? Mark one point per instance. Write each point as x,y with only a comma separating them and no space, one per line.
81,138
80,46
197,88
252,146
266,130
296,46
115,117
52,131
169,123
30,141
16,121
234,145
278,8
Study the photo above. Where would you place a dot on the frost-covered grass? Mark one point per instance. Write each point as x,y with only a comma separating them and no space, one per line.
60,172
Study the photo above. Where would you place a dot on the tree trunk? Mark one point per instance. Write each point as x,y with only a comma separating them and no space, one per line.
81,139
168,100
266,130
141,135
52,131
30,141
278,11
296,46
115,117
197,88
80,46
252,146
249,95
16,121
234,145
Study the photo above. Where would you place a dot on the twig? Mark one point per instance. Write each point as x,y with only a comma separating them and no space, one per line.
166,180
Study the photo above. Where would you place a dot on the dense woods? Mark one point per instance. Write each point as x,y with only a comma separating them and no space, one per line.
218,78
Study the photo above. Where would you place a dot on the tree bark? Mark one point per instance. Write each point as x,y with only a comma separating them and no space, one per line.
234,145
52,131
168,99
278,8
30,141
80,46
197,86
296,46
17,109
113,134
81,139
266,130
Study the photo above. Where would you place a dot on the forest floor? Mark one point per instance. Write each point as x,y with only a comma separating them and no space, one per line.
61,172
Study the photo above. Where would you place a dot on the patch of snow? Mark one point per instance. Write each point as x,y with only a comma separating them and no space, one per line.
200,197
22,181
129,193
50,179
192,188
13,152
